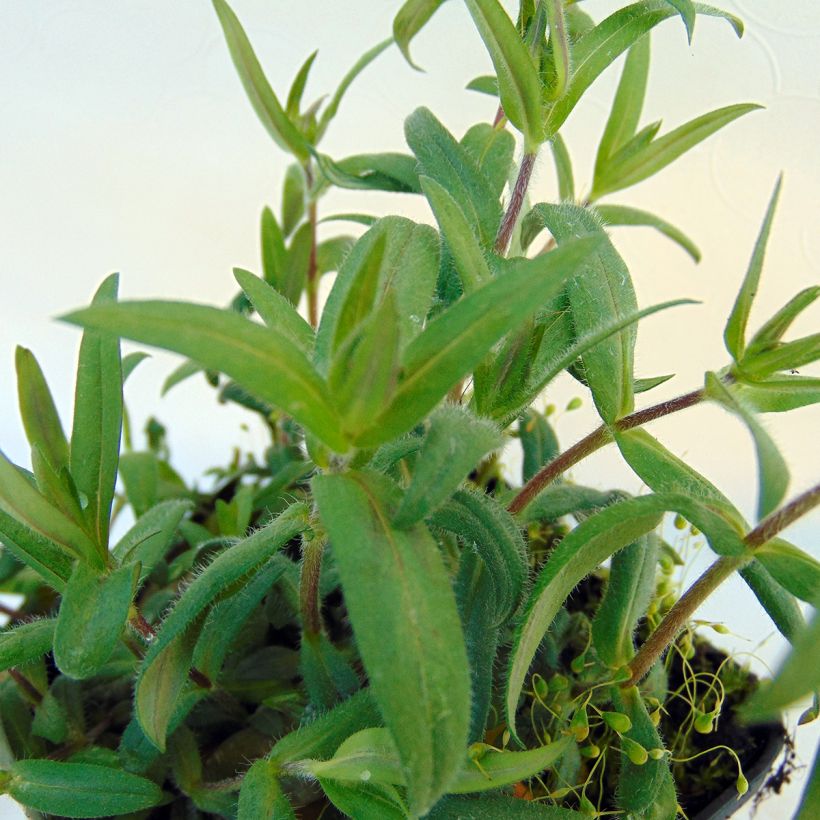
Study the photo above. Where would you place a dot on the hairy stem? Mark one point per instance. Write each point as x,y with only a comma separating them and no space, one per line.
31,692
309,598
770,526
516,201
312,271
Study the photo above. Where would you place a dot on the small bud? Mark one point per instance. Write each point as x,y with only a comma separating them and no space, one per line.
721,629
655,717
577,664
742,784
656,754
586,806
667,565
808,716
558,683
574,404
634,751
680,522
695,530
617,721
549,410
590,751
579,725
558,794
540,687
622,675
704,722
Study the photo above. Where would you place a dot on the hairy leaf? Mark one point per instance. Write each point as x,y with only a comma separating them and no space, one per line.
625,215
26,642
411,18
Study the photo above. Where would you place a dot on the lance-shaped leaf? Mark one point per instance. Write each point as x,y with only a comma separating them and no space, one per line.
468,255
51,560
264,101
80,789
262,360
538,442
454,343
780,604
600,46
518,82
261,797
810,800
578,554
360,65
297,87
411,18
491,149
625,215
326,674
26,642
557,76
95,434
365,799
389,171
359,219
293,200
779,393
794,569
771,332
625,115
273,249
773,474
455,443
93,612
370,750
786,356
491,807
332,252
395,583
276,311
600,291
735,333
559,500
629,166
563,169
447,162
687,11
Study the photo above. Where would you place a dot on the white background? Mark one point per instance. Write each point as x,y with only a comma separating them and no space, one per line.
126,143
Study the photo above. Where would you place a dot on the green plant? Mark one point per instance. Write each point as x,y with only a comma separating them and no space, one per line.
370,615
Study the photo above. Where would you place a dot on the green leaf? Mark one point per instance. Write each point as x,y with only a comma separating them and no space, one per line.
518,81
93,612
687,11
563,169
53,561
180,374
361,219
27,642
363,62
151,535
297,88
455,443
370,752
650,383
600,46
538,441
395,583
735,333
275,310
264,101
810,801
625,215
365,800
578,554
792,568
779,394
454,343
558,500
293,202
491,149
628,167
773,474
493,807
447,162
95,435
558,49
485,84
600,291
274,254
261,797
410,19
629,590
262,360
130,363
80,789
772,331
140,477
781,605
389,171
326,675
786,356
468,255
332,252
625,115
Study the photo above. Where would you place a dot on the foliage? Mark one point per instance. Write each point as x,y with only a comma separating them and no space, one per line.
368,617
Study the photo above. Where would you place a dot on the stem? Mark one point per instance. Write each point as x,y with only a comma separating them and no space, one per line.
770,526
27,687
312,552
312,305
680,613
659,410
516,201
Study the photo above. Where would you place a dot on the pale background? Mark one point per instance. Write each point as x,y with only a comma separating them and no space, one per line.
126,143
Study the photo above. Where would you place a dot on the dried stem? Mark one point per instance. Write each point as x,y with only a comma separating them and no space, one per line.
516,201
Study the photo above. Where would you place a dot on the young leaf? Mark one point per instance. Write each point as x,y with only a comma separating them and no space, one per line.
365,800
773,474
293,201
772,331
371,751
563,169
274,253
625,215
538,441
779,394
559,500
95,434
389,171
794,569
559,48
491,149
27,642
810,801
261,797
687,11
262,360
79,789
453,446
140,477
93,612
326,675
735,333
578,554
297,88
456,341
780,604
261,95
395,583
410,19
53,561
786,356
518,82
332,252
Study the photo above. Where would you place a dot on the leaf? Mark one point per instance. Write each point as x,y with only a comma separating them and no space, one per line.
410,19
370,752
485,84
538,441
261,95
361,219
773,474
650,383
558,500
95,435
625,215
779,394
735,333
274,254
332,252
578,554
363,62
629,590
130,363
600,291
781,605
389,171
786,356
151,535
458,233
518,82
27,642
262,360
51,560
491,149
687,11
326,675
442,158
93,612
180,374
275,310
454,343
261,797
772,331
365,800
563,169
395,583
600,46
293,203
792,568
492,807
455,443
297,88
625,115
79,789
629,167
810,800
